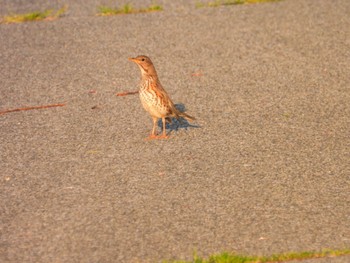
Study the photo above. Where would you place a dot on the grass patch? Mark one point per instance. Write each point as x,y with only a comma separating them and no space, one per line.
285,257
127,9
34,16
217,3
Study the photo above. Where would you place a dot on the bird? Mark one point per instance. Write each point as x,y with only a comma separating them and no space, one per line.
154,99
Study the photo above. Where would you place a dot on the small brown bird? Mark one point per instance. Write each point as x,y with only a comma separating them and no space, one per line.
154,98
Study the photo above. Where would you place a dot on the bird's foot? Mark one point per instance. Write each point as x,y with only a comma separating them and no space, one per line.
155,137
152,137
163,136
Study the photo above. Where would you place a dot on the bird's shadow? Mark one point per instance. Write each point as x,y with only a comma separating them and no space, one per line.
175,124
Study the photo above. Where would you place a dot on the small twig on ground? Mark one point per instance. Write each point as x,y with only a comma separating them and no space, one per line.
197,74
33,108
127,93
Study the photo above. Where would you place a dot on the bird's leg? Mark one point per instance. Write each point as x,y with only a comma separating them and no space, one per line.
153,133
164,130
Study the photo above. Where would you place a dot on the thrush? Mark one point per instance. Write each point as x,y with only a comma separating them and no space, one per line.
154,98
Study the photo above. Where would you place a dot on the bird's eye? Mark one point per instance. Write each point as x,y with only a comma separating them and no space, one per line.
143,59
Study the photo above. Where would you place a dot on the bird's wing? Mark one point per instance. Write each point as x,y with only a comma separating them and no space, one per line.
172,110
164,96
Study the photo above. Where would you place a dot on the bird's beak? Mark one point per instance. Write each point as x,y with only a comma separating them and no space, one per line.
131,59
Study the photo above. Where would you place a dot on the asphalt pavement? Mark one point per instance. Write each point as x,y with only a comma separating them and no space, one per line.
265,168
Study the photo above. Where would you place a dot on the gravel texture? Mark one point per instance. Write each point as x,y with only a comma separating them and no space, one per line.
265,168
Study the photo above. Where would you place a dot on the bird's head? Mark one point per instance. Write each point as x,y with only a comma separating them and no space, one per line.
145,64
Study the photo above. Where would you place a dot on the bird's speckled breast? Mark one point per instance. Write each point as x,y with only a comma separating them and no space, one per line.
150,101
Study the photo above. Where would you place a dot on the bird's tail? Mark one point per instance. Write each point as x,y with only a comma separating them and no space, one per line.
185,116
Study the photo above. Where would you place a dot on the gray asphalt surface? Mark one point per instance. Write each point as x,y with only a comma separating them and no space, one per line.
264,170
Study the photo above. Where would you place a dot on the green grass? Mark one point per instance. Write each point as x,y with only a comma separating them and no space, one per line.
127,9
217,3
285,257
34,16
